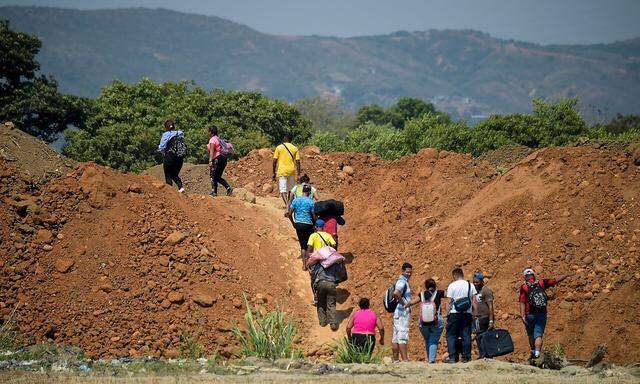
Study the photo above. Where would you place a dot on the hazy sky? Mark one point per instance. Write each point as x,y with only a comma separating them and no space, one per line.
540,21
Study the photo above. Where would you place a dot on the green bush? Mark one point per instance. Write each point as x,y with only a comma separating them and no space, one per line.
345,352
383,140
269,336
328,141
126,122
190,347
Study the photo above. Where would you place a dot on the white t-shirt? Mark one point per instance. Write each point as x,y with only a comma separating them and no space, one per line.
459,289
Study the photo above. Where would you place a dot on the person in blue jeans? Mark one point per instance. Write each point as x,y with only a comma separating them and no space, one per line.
431,331
533,307
462,294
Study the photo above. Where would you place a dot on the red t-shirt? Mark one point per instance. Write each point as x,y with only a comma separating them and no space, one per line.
214,146
544,283
331,226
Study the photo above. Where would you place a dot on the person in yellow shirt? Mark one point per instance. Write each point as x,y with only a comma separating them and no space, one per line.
286,167
317,240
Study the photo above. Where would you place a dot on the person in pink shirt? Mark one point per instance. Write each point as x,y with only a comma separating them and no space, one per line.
361,329
217,162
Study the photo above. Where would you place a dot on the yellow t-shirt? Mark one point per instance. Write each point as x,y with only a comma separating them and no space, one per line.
286,165
316,241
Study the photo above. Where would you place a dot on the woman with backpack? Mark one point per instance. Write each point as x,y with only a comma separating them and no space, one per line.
174,150
430,315
219,152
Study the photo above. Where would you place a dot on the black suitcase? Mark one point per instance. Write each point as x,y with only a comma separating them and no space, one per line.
496,342
329,208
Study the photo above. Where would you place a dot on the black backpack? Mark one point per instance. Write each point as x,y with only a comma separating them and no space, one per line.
537,297
389,300
177,146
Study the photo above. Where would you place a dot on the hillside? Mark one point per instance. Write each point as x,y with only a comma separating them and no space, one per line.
464,72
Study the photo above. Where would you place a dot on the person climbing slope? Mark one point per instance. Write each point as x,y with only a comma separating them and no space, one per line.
219,153
296,191
317,240
286,166
301,212
533,307
174,150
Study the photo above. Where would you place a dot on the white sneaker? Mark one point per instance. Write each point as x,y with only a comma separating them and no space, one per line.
181,190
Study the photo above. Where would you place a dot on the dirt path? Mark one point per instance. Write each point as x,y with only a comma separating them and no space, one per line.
316,336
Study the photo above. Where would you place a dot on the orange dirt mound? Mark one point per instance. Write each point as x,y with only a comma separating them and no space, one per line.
560,210
122,265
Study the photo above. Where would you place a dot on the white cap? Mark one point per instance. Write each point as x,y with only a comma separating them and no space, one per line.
528,271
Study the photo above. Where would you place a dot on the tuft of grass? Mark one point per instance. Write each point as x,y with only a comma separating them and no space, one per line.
268,336
558,350
345,352
500,169
190,347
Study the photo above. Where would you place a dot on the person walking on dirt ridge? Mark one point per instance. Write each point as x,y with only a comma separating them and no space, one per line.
174,150
219,153
286,167
301,212
533,307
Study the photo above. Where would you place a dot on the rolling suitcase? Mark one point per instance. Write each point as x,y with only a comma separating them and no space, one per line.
496,342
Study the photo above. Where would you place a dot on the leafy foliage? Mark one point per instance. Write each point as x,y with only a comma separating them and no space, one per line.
327,115
403,110
269,336
345,352
29,100
126,122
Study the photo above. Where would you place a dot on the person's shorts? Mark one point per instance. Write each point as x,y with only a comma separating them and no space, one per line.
285,183
303,231
536,323
401,327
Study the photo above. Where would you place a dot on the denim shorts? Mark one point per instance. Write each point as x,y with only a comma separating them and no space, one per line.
536,323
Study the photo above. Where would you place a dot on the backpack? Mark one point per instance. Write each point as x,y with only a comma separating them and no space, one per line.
226,148
464,303
536,296
389,301
177,146
428,310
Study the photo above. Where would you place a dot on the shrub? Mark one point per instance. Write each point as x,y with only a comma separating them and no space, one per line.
270,336
345,352
190,347
328,142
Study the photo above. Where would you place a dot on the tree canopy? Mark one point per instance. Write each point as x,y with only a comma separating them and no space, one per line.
126,122
28,99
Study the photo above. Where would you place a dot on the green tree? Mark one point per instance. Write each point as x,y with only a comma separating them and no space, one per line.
30,100
327,115
410,108
126,122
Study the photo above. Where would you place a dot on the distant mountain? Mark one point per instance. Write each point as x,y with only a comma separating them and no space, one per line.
465,72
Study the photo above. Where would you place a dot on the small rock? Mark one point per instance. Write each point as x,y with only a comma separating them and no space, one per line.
164,260
175,238
165,304
600,234
175,297
267,188
64,265
575,232
47,247
348,170
44,236
237,303
134,188
204,298
171,353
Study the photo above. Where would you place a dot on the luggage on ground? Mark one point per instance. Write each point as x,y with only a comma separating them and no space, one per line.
495,342
329,208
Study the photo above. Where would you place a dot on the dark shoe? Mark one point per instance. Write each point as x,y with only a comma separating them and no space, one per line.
448,361
214,194
334,327
229,191
323,324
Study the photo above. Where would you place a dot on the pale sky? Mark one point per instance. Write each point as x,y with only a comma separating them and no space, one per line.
539,21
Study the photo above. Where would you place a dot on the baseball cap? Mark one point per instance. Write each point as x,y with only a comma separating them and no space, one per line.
320,223
528,271
478,276
306,188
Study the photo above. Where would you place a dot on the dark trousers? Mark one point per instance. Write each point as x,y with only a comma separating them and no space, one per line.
326,292
364,342
172,166
481,324
459,325
219,164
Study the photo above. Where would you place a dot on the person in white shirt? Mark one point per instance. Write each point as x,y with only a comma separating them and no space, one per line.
459,319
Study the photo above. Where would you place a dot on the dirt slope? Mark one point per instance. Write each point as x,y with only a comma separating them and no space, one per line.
31,156
561,210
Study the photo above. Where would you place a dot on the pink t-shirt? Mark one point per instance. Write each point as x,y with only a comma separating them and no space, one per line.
364,322
214,143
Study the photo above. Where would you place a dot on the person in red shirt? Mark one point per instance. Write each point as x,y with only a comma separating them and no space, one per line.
533,307
331,226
